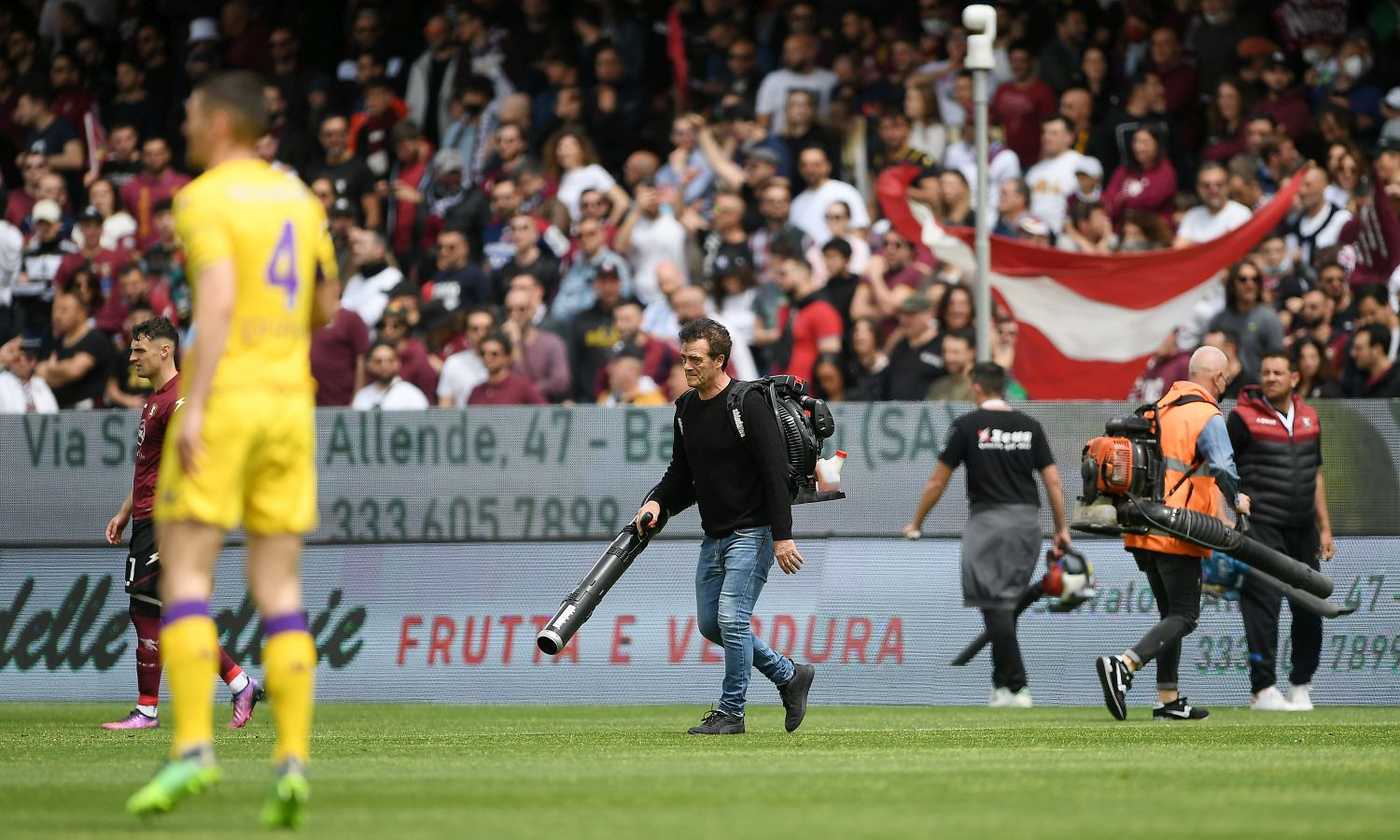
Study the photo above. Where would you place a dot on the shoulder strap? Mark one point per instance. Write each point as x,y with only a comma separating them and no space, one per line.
681,402
734,403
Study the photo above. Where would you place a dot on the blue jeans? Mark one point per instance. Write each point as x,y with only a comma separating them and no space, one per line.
731,573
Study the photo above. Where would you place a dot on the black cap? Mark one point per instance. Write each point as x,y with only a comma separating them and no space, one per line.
1389,143
405,288
435,315
31,344
628,350
342,207
608,268
90,214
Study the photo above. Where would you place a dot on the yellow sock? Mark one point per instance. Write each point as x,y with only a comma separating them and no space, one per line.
189,650
289,660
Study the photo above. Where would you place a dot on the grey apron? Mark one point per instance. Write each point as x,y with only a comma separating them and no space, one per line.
1000,547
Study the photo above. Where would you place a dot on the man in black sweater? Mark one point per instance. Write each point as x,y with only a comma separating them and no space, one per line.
739,481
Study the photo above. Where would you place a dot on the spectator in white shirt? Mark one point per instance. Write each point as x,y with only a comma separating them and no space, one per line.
808,212
1317,223
464,370
1216,215
1053,180
572,160
799,71
367,291
649,236
21,392
386,391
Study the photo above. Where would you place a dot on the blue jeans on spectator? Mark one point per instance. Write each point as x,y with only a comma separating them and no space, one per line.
731,573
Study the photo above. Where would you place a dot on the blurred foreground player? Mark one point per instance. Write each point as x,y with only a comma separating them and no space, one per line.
241,450
153,352
1004,449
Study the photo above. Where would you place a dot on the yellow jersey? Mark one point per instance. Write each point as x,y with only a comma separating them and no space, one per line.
275,232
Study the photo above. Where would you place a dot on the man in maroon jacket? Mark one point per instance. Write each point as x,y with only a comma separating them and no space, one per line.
153,354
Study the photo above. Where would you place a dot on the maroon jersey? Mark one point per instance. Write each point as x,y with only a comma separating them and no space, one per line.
150,439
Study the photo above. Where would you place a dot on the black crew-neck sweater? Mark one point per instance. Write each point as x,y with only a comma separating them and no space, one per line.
737,482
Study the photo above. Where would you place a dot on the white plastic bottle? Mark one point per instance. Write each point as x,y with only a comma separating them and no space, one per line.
829,471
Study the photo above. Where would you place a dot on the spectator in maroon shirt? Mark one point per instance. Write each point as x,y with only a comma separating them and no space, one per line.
540,355
1167,365
1225,122
1284,102
133,288
1021,104
1147,183
808,324
338,358
397,329
502,386
104,262
20,203
157,183
890,277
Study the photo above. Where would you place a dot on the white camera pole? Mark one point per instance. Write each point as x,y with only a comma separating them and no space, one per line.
981,24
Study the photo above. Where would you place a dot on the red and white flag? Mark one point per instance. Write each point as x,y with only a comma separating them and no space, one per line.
1089,323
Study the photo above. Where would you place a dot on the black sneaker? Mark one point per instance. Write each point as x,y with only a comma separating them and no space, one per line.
716,722
1179,709
1116,679
794,694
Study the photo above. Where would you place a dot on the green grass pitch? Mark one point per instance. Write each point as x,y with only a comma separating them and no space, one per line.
630,772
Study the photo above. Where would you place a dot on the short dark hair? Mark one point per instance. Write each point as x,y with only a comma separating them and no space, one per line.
838,245
501,339
990,377
1378,335
1230,336
239,93
156,329
1329,263
1375,292
713,332
381,343
1061,119
1288,359
38,90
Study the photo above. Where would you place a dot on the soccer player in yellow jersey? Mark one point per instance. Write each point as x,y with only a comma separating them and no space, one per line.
241,450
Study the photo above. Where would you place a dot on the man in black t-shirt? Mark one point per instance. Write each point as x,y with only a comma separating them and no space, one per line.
350,175
916,360
735,470
1003,450
78,367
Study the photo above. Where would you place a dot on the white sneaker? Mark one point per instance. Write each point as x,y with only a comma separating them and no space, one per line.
1270,700
1001,698
1301,698
1021,699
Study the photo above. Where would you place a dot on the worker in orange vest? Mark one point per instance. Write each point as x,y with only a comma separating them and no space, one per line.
1200,475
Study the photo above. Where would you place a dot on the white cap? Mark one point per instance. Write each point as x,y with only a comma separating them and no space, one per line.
1032,226
1089,166
1392,99
47,210
204,29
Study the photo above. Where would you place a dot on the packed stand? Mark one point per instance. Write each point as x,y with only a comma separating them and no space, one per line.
529,200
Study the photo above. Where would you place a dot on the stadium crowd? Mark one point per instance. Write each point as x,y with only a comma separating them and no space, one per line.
529,199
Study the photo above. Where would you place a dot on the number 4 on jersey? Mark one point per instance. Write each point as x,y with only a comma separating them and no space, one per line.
282,268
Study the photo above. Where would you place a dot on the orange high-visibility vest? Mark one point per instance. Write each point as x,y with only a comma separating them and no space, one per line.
1179,426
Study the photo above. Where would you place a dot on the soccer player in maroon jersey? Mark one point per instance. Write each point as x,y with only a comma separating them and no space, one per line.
153,348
